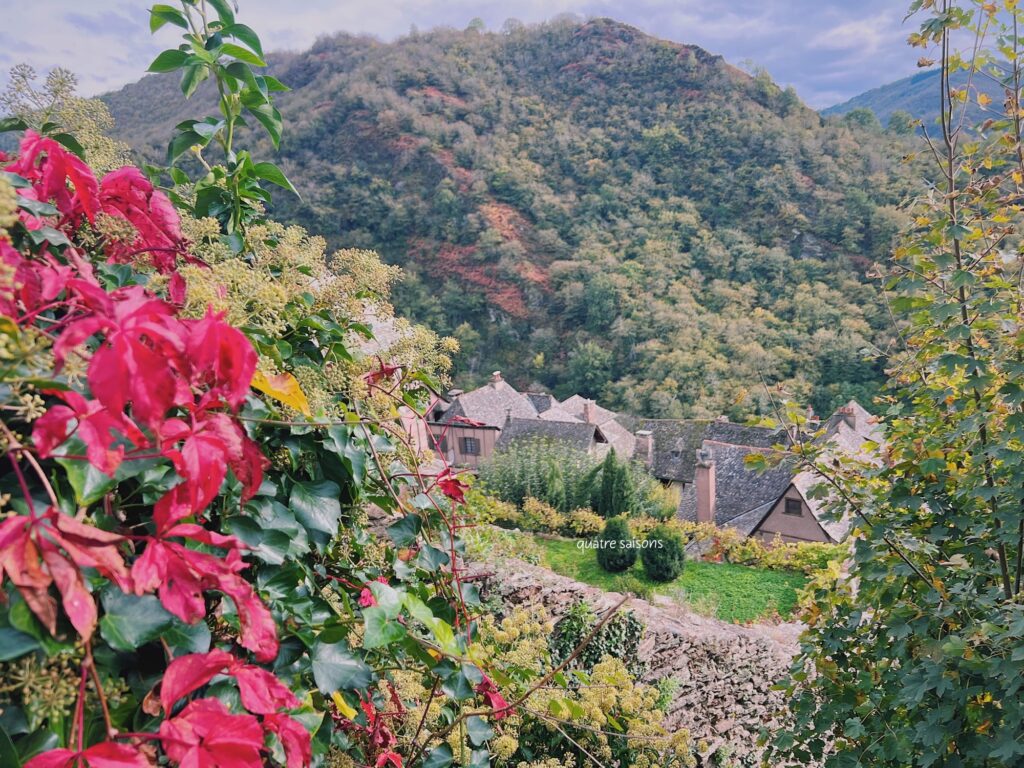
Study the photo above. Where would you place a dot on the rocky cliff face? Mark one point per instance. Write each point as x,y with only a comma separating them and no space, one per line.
724,672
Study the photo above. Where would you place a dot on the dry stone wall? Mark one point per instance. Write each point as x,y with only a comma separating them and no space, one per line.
723,672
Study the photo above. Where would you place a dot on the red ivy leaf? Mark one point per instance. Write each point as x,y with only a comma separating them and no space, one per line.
206,734
261,692
451,486
108,754
295,739
190,673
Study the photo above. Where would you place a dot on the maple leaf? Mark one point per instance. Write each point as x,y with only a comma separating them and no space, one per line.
32,557
223,359
206,734
107,754
180,575
95,425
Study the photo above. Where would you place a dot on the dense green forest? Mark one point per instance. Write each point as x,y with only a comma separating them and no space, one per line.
590,209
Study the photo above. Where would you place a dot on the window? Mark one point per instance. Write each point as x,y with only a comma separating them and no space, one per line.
794,507
442,444
470,446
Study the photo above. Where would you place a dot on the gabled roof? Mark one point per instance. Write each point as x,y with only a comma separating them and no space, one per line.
742,496
598,415
836,529
491,405
577,435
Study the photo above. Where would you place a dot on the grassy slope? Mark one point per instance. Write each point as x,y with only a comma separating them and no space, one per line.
731,592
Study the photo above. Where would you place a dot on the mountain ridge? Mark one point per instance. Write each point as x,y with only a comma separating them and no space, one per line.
591,209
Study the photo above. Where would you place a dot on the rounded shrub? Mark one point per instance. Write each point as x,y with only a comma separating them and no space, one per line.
615,551
665,554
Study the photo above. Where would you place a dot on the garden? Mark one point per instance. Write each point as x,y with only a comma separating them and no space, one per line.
609,524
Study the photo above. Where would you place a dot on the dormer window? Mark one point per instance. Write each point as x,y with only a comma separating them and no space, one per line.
794,507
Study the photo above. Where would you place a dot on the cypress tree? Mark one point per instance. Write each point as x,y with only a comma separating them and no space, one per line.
664,563
615,553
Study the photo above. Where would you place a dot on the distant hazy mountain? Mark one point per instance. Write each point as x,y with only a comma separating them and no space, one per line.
917,94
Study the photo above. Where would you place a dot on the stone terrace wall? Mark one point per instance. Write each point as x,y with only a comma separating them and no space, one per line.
724,672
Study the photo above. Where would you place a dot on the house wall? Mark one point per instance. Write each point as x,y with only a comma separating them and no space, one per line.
790,527
453,433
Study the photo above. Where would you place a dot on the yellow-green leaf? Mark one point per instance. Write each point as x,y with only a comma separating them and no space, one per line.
284,388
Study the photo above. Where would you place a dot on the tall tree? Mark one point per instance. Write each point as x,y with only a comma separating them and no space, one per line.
917,659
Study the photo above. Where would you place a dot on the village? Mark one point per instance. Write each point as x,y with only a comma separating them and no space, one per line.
702,461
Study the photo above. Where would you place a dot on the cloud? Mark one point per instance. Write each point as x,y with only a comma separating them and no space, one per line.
826,49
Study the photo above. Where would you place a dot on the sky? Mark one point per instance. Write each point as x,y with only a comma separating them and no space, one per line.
829,50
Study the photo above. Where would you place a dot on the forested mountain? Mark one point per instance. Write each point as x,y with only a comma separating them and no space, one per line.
590,209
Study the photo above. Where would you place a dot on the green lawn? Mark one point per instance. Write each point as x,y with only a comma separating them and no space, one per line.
734,593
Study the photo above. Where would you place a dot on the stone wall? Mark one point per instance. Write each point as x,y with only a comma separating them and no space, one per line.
724,672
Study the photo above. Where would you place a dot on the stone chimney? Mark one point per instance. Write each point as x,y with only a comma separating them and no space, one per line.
496,379
644,447
848,414
704,485
588,411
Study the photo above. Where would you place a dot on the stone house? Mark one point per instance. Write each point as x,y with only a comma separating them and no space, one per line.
469,426
707,462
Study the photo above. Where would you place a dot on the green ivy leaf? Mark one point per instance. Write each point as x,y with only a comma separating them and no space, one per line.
478,730
130,621
335,668
439,757
316,506
89,484
12,124
380,630
8,754
388,598
14,642
404,532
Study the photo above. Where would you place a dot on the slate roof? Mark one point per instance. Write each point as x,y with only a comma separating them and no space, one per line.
577,435
599,415
541,401
490,404
742,496
616,433
675,442
674,447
